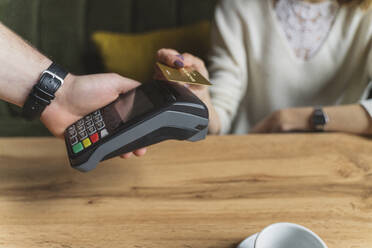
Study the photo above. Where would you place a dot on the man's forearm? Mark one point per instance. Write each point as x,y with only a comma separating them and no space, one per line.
21,66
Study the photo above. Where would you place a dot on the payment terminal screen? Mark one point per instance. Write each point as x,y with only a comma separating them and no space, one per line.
127,107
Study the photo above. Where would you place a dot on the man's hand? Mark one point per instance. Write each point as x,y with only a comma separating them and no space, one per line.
81,95
285,120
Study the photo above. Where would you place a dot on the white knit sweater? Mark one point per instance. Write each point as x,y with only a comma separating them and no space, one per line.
255,71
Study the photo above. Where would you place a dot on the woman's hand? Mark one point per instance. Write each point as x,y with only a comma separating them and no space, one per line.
285,120
81,95
174,59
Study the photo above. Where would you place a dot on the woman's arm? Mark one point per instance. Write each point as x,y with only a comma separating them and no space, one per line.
348,118
228,68
228,63
345,118
355,118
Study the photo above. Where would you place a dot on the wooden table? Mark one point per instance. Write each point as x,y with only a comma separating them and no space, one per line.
201,195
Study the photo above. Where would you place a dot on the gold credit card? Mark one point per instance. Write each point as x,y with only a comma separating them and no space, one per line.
183,75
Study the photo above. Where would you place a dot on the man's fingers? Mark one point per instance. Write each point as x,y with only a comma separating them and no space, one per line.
127,155
140,152
170,57
125,84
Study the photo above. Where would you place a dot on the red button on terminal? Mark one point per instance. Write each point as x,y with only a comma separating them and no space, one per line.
94,138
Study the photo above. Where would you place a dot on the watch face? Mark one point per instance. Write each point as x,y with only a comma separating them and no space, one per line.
319,119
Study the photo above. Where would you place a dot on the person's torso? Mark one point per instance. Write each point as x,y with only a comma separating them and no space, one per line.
278,79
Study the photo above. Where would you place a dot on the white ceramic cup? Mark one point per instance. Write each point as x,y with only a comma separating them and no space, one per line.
284,235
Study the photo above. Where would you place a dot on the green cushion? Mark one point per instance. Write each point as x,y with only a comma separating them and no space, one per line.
62,30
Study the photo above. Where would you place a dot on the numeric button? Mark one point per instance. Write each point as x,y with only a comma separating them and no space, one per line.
97,118
80,122
89,123
81,128
91,130
74,141
97,113
88,118
72,132
100,125
83,135
71,128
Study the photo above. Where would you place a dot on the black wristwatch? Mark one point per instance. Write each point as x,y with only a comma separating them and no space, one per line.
319,119
43,92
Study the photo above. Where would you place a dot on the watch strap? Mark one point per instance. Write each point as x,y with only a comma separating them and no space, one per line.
43,92
58,70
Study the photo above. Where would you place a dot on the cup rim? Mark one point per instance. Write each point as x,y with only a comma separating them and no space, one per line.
291,225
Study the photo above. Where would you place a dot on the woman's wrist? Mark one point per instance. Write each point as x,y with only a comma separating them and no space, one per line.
300,118
214,121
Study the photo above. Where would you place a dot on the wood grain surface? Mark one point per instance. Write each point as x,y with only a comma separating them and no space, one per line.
208,194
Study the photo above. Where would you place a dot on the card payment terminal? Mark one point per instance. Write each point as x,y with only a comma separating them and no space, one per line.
151,113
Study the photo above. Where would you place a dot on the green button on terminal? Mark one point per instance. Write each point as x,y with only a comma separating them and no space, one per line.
78,148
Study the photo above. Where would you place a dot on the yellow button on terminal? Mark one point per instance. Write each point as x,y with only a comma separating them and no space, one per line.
87,142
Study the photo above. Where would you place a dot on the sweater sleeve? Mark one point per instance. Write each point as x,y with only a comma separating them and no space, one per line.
367,104
369,64
227,63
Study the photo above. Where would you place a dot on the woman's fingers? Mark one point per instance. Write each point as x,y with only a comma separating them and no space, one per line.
170,57
191,60
196,63
158,75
